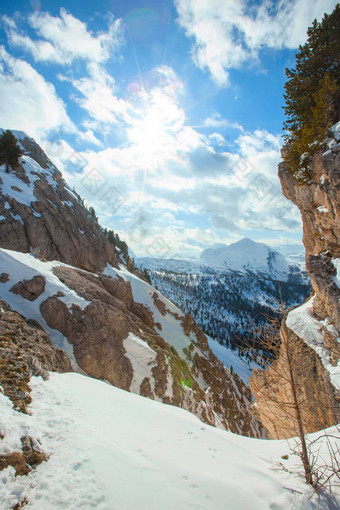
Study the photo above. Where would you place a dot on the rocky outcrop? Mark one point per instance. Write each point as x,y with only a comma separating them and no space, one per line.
30,456
40,214
30,289
25,350
315,324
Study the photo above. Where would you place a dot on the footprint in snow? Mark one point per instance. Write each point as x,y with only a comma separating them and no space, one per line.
193,486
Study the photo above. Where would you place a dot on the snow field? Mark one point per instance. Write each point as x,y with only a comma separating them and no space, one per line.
114,450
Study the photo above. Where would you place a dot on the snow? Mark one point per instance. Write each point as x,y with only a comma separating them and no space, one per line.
171,331
17,217
231,358
68,203
323,209
304,324
246,255
336,264
2,218
142,359
11,183
110,449
336,131
24,266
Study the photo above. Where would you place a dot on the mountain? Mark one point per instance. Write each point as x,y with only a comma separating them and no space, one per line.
227,304
174,265
59,270
247,256
244,257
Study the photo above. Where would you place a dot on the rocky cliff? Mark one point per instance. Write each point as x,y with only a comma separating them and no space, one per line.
316,323
57,269
40,214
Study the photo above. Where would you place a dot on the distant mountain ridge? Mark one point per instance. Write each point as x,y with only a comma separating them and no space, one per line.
244,256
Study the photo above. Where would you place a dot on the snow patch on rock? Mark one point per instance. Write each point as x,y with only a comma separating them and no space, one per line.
305,325
142,359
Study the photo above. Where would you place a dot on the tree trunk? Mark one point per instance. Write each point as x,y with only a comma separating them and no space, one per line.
7,164
304,452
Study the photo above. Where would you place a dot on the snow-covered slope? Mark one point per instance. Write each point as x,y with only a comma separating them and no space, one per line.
247,255
109,449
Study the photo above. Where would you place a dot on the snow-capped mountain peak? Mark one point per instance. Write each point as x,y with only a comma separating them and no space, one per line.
246,255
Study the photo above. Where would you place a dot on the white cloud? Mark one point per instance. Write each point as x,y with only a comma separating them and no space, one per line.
216,120
88,136
34,105
237,193
228,33
98,96
216,139
65,38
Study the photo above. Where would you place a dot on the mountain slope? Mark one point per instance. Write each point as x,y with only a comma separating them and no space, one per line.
141,454
226,305
113,325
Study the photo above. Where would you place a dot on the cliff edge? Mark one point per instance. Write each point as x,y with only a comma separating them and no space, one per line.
315,324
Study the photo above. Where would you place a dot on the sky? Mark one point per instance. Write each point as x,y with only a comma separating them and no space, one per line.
164,115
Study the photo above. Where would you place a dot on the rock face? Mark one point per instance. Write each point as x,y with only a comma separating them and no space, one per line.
41,215
319,203
316,323
25,350
113,325
274,396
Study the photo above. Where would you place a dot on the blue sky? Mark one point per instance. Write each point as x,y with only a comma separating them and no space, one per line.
166,116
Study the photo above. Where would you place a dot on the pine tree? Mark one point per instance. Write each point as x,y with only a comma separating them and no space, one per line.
312,94
111,237
10,151
92,214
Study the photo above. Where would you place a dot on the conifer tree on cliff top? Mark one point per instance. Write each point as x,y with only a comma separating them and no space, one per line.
312,94
10,151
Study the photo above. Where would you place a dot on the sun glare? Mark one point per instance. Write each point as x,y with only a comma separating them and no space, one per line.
157,124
